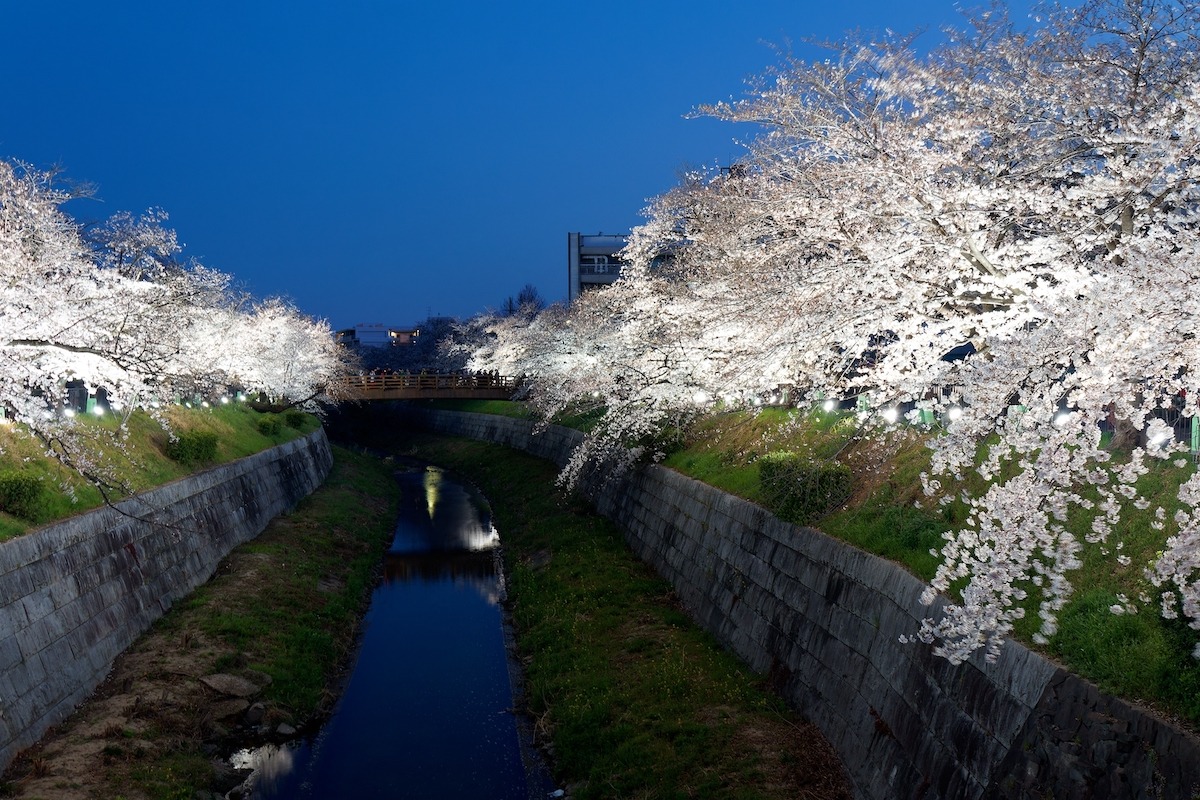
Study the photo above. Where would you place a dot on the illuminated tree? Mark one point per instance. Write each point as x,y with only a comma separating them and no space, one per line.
1005,228
121,315
140,248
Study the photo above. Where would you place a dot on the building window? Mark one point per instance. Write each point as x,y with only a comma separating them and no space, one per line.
594,265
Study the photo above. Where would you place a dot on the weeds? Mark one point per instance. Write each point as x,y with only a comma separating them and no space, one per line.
131,452
637,701
253,618
1140,657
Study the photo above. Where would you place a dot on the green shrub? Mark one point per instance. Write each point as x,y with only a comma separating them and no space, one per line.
294,419
20,494
270,425
800,490
193,447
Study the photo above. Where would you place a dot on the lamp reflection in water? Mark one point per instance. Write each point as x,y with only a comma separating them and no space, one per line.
425,712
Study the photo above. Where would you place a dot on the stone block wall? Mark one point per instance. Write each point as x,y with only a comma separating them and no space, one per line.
75,594
823,621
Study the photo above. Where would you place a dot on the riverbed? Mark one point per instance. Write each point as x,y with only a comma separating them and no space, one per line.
428,710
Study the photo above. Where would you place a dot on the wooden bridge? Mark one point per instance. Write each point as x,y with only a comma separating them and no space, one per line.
406,386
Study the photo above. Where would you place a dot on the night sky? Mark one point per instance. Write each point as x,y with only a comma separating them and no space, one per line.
380,161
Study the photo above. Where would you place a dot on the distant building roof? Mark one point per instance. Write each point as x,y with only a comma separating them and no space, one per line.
377,335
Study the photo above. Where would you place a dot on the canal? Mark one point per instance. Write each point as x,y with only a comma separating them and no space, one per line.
427,711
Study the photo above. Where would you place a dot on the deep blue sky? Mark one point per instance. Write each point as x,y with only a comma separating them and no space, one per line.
378,161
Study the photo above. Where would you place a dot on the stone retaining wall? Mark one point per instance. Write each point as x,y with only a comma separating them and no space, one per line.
75,594
822,620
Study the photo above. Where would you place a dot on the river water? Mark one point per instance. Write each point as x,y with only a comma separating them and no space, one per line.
426,712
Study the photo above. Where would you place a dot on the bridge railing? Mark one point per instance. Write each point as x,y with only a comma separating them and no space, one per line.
426,384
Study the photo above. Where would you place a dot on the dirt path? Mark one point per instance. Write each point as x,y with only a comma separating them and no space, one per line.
173,701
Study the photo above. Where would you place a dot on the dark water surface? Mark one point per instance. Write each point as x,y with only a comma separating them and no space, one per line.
426,712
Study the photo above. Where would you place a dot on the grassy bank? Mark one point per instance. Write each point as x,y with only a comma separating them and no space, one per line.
1140,657
132,454
281,612
313,571
503,408
635,700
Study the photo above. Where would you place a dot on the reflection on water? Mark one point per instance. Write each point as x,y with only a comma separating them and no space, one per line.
426,710
440,515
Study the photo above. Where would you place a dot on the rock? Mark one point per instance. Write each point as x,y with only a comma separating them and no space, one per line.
228,708
226,777
285,730
230,685
261,678
255,714
329,585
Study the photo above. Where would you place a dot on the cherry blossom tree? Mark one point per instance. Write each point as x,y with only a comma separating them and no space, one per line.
118,312
138,247
1004,228
274,349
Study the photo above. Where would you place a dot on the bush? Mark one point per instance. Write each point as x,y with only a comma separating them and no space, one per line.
270,425
193,447
20,494
802,491
294,419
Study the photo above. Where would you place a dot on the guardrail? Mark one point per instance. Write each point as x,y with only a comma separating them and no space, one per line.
412,386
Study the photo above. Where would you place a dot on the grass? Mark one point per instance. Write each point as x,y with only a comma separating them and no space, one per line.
1140,657
581,419
722,450
286,605
503,408
637,701
286,624
171,777
131,454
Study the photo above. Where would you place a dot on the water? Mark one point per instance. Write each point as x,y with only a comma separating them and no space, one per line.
427,710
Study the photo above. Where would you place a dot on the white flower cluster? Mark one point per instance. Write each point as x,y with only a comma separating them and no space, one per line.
1178,566
1004,234
117,311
